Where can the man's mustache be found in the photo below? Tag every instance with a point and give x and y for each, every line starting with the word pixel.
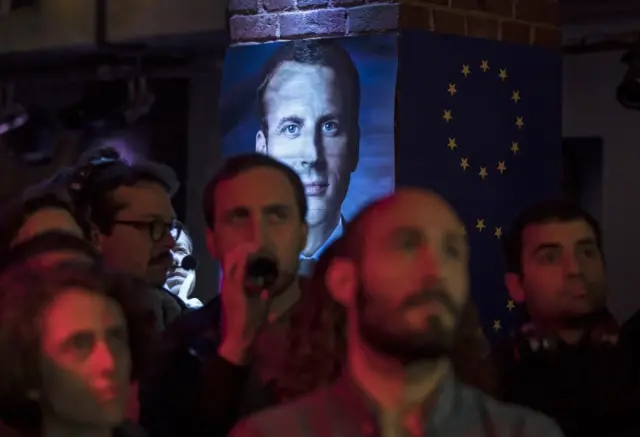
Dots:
pixel 432 294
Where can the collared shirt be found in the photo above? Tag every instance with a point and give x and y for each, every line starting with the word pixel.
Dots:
pixel 342 411
pixel 337 233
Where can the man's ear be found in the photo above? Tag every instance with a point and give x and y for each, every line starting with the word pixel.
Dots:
pixel 97 238
pixel 261 143
pixel 341 281
pixel 513 282
pixel 209 237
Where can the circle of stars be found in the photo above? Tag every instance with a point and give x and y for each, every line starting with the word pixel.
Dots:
pixel 483 170
pixel 519 122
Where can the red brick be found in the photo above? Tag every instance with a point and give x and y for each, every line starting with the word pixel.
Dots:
pixel 473 5
pixel 415 17
pixel 538 11
pixel 482 27
pixel 547 37
pixel 348 2
pixel 435 2
pixel 373 17
pixel 313 23
pixel 253 28
pixel 517 33
pixel 500 7
pixel 278 5
pixel 250 6
pixel 449 22
pixel 307 4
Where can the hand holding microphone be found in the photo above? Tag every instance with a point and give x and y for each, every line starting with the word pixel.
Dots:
pixel 248 273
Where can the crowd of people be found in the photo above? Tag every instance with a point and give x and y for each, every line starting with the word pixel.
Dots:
pixel 100 335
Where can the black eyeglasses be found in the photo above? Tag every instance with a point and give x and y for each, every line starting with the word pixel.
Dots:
pixel 158 229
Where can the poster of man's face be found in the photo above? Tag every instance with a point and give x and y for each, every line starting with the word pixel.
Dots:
pixel 324 107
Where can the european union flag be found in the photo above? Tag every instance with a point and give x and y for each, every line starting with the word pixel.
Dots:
pixel 479 122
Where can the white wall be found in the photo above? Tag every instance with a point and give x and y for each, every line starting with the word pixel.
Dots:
pixel 591 109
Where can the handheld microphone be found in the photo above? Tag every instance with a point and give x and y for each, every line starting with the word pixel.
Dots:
pixel 261 272
pixel 189 262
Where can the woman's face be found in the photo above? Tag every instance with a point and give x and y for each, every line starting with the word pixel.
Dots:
pixel 86 362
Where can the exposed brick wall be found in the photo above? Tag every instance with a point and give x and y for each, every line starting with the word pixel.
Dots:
pixel 519 21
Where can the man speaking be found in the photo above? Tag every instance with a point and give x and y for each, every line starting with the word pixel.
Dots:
pixel 308 103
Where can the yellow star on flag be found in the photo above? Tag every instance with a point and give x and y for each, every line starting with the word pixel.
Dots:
pixel 466 71
pixel 447 115
pixel 483 173
pixel 503 74
pixel 497 326
pixel 510 305
pixel 515 96
pixel 452 144
pixel 520 122
pixel 480 225
pixel 498 232
pixel 484 65
pixel 464 163
pixel 515 147
pixel 502 167
pixel 452 89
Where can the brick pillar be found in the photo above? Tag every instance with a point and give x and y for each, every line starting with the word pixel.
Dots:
pixel 518 21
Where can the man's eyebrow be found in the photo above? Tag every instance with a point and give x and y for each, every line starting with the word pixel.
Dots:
pixel 589 241
pixel 289 119
pixel 276 207
pixel 235 211
pixel 545 246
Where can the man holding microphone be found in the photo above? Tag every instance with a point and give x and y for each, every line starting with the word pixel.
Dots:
pixel 221 362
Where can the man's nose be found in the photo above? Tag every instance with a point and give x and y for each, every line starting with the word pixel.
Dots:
pixel 310 152
pixel 104 359
pixel 430 262
pixel 168 242
pixel 257 232
pixel 572 265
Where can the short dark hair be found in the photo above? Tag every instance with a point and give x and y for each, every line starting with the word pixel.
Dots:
pixel 235 166
pixel 47 242
pixel 320 52
pixel 25 292
pixel 556 210
pixel 102 172
pixel 19 209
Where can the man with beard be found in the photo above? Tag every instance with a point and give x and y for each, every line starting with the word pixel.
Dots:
pixel 403 277
pixel 220 362
pixel 566 361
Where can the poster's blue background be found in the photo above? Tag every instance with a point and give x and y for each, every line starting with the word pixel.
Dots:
pixel 375 57
pixel 484 127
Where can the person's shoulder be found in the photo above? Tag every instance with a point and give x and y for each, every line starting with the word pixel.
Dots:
pixel 129 429
pixel 515 420
pixel 292 416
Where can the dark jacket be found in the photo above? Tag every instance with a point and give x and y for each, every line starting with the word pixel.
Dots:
pixel 588 388
pixel 342 410
pixel 192 390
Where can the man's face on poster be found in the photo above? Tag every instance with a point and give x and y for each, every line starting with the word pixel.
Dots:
pixel 308 128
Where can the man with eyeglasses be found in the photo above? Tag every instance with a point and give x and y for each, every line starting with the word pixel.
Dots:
pixel 132 219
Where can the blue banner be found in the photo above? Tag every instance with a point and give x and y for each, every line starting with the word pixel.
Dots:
pixel 480 123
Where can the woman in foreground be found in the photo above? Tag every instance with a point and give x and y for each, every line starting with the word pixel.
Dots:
pixel 68 351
